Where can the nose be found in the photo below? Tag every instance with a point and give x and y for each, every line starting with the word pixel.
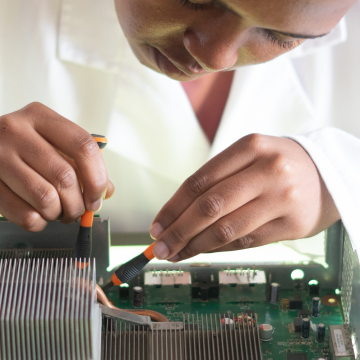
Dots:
pixel 215 46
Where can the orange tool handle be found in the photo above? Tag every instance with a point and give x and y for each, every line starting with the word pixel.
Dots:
pixel 131 268
pixel 83 242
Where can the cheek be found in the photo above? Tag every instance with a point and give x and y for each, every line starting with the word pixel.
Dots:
pixel 132 17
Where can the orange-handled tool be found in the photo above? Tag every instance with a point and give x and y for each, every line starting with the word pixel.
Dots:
pixel 83 242
pixel 131 268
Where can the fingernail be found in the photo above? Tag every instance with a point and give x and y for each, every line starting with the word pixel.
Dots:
pixel 161 251
pixel 96 206
pixel 156 230
pixel 174 258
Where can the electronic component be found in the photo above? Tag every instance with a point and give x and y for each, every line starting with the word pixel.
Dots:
pixel 265 332
pixel 250 313
pixel 296 356
pixel 274 293
pixel 316 304
pixel 304 312
pixel 60 316
pixel 297 324
pixel 242 285
pixel 305 328
pixel 314 288
pixel 167 287
pixel 138 296
pixel 340 342
pixel 205 290
pixel 196 337
pixel 124 291
pixel 227 323
pixel 298 285
pixel 194 307
pixel 320 333
pixel 295 302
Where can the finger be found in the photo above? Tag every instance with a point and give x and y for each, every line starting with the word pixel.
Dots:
pixel 224 198
pixel 31 187
pixel 18 211
pixel 234 159
pixel 275 230
pixel 110 188
pixel 78 145
pixel 234 226
pixel 47 161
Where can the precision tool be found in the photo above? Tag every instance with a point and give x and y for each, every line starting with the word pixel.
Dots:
pixel 83 242
pixel 130 269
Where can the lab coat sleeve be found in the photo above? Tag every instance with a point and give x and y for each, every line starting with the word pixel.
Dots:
pixel 337 157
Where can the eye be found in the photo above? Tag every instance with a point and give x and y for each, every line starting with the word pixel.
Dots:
pixel 197 4
pixel 286 44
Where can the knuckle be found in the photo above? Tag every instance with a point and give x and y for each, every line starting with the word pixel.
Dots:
pixel 87 146
pixel 31 222
pixel 188 252
pixel 45 197
pixel 211 206
pixel 176 236
pixel 256 142
pixel 7 126
pixel 72 215
pixel 244 242
pixel 33 108
pixel 290 194
pixel 224 233
pixel 196 184
pixel 279 164
pixel 66 177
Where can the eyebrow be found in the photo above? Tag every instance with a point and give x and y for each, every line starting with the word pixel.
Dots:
pixel 296 36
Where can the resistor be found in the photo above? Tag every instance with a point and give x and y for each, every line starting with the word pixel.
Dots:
pixel 274 293
pixel 138 296
pixel 305 328
pixel 320 334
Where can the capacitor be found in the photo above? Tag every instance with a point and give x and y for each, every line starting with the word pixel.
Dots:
pixel 320 333
pixel 265 332
pixel 138 296
pixel 227 323
pixel 274 292
pixel 305 328
pixel 316 303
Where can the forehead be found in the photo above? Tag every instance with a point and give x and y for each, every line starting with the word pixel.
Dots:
pixel 292 15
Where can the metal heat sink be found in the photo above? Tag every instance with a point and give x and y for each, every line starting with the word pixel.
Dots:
pixel 198 338
pixel 48 310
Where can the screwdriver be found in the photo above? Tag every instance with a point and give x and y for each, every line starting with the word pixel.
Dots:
pixel 130 269
pixel 83 241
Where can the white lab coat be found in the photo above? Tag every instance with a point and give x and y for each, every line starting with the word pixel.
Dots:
pixel 71 56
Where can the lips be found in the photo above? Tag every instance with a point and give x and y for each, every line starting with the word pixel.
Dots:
pixel 172 67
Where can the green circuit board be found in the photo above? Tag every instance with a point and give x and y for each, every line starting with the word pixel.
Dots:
pixel 284 340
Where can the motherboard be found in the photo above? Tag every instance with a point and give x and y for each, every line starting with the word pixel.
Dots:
pixel 52 308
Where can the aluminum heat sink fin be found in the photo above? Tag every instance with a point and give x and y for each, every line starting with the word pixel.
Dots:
pixel 199 338
pixel 48 310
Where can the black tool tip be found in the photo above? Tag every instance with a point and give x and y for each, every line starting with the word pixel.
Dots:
pixel 108 286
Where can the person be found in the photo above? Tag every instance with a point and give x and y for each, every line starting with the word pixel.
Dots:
pixel 259 147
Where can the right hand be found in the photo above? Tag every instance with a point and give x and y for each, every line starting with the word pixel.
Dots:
pixel 43 159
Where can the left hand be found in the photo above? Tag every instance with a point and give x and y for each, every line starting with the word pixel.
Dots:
pixel 260 190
